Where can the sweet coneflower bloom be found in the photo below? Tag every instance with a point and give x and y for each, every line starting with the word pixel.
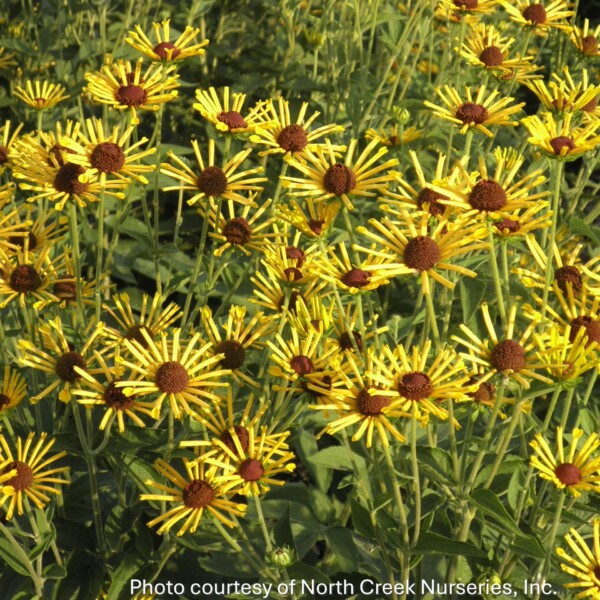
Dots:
pixel 394 137
pixel 208 181
pixel 124 87
pixel 251 471
pixel 564 95
pixel 539 15
pixel 568 357
pixel 562 140
pixel 422 196
pixel 199 491
pixel 58 357
pixel 512 355
pixel 154 318
pixel 229 424
pixel 185 373
pixel 43 166
pixel 424 389
pixel 494 193
pixel 413 247
pixel 365 399
pixel 236 338
pixel 473 8
pixel 312 315
pixel 245 232
pixel 288 137
pixel 27 276
pixel 25 476
pixel 101 390
pixel 346 331
pixel 279 295
pixel 585 40
pixel 7 59
pixel 6 141
pixel 523 222
pixel 326 178
pixel 12 389
pixel 163 49
pixel 582 562
pixel 477 112
pixel 109 155
pixel 581 312
pixel 226 115
pixel 41 95
pixel 292 264
pixel 485 47
pixel 35 228
pixel 569 270
pixel 313 219
pixel 577 471
pixel 303 364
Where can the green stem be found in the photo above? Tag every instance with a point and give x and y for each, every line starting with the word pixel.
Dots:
pixel 24 559
pixel 557 179
pixel 415 470
pixel 99 249
pixel 74 231
pixel 496 274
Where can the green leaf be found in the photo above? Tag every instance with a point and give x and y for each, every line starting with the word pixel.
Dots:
pixel 528 546
pixel 472 292
pixel 306 446
pixel 54 572
pixel 282 532
pixel 361 521
pixel 489 504
pixel 580 227
pixel 433 543
pixel 128 567
pixel 335 457
pixel 301 571
pixel 341 541
pixel 13 560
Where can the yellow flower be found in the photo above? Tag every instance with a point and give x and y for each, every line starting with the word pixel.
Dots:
pixel 27 477
pixel 584 40
pixel 290 138
pixel 364 398
pixel 154 318
pixel 6 60
pixel 109 155
pixel 583 563
pixel 61 360
pixel 493 193
pixel 412 247
pixel 226 116
pixel 576 471
pixel 326 178
pixel 244 232
pixel 250 471
pixel 165 50
pixel 6 142
pixel 210 181
pixel 485 47
pixel 125 88
pixel 27 277
pixel 515 357
pixel 237 338
pixel 477 112
pixel 12 390
pixel 312 218
pixel 395 137
pixel 200 491
pixel 423 389
pixel 562 140
pixel 41 96
pixel 108 395
pixel 183 373
pixel 472 8
pixel 539 15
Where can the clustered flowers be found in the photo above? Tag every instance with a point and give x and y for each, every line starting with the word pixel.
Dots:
pixel 351 228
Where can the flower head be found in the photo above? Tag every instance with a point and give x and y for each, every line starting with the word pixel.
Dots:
pixel 41 95
pixel 199 491
pixel 164 49
pixel 576 471
pixel 26 476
